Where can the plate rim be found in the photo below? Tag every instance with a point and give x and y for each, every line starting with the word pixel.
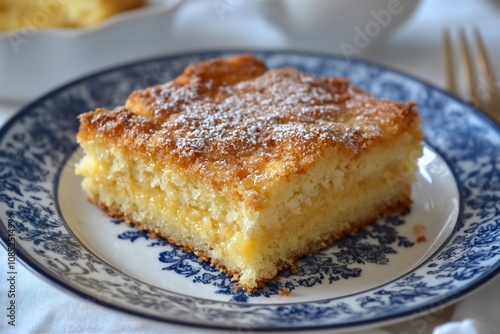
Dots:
pixel 33 266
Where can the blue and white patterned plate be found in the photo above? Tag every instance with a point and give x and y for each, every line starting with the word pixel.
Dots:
pixel 381 275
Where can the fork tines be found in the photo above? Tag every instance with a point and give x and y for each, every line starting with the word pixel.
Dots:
pixel 481 87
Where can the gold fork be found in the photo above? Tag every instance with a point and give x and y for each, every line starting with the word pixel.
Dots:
pixel 483 90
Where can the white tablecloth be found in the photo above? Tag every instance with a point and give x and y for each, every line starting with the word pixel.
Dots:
pixel 415 48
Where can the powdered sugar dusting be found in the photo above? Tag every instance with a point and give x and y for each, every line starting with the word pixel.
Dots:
pixel 232 122
pixel 282 108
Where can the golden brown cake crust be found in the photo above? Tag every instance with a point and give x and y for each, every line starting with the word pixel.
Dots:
pixel 225 120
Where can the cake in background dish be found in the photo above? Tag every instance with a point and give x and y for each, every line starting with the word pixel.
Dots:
pixel 18 14
pixel 28 67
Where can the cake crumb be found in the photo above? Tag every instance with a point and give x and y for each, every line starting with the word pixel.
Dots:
pixel 284 292
pixel 419 231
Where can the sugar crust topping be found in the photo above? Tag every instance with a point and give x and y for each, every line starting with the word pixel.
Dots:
pixel 235 112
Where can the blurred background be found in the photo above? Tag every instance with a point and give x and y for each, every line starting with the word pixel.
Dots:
pixel 404 34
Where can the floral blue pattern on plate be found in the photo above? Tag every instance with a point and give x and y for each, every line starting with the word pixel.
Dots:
pixel 70 242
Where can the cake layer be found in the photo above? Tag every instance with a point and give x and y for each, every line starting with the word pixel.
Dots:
pixel 248 167
pixel 333 199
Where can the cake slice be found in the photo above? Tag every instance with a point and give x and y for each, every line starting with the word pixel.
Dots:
pixel 250 168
